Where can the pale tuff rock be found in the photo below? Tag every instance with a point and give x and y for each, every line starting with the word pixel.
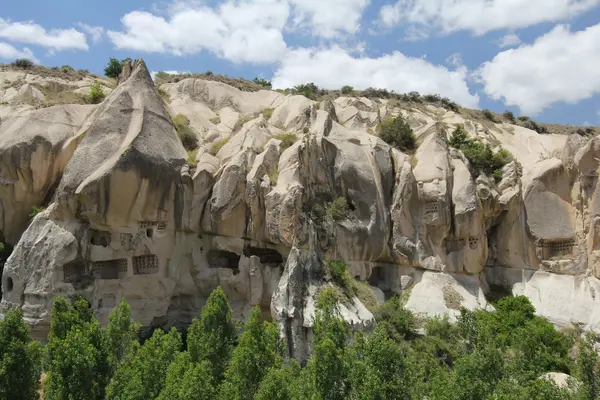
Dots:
pixel 128 217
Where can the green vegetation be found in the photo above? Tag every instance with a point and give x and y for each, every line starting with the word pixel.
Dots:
pixel 23 63
pixel 20 359
pixel 267 113
pixel 113 68
pixel 287 139
pixel 262 82
pixel 489 115
pixel 163 94
pixel 528 123
pixel 185 132
pixel 347 89
pixel 480 155
pixel 160 75
pixel 397 133
pixel 338 209
pixel 509 116
pixel 209 73
pixel 274 176
pixel 96 94
pixel 216 120
pixel 66 69
pixel 309 90
pixel 191 157
pixel 218 145
pixel 35 210
pixel 487 355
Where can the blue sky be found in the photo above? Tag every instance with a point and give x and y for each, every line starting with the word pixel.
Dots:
pixel 538 58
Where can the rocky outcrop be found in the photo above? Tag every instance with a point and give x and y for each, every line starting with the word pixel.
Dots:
pixel 294 184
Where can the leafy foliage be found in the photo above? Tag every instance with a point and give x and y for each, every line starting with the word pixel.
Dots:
pixel 309 90
pixel 19 359
pixel 35 210
pixel 489 355
pixel 397 133
pixel 259 349
pixel 96 94
pixel 77 358
pixel 287 139
pixel 480 155
pixel 347 89
pixel 528 123
pixel 142 374
pixel 211 338
pixel 66 69
pixel 262 82
pixel 509 116
pixel 23 63
pixel 185 132
pixel 113 68
pixel 338 209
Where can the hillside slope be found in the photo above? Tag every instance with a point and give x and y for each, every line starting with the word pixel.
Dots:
pixel 279 186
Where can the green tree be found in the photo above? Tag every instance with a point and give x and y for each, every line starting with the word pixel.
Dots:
pixel 142 374
pixel 77 360
pixel 397 133
pixel 262 82
pixel 588 366
pixel 19 359
pixel 121 332
pixel 327 367
pixel 187 380
pixel 278 384
pixel 395 320
pixel 377 368
pixel 259 349
pixel 113 68
pixel 347 89
pixel 96 94
pixel 212 337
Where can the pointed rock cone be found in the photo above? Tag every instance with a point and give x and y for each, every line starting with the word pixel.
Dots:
pixel 128 163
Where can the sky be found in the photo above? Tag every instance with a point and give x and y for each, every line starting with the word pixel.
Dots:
pixel 539 58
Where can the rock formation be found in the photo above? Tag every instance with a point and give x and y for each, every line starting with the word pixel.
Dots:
pixel 131 215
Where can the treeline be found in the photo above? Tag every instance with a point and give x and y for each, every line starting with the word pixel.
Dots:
pixel 486 355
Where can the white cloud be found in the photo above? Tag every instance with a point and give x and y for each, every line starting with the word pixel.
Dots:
pixel 329 18
pixel 509 40
pixel 479 16
pixel 455 60
pixel 8 52
pixel 240 31
pixel 95 32
pixel 31 33
pixel 560 66
pixel 335 67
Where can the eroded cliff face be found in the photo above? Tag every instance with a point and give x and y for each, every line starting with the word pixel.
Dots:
pixel 128 217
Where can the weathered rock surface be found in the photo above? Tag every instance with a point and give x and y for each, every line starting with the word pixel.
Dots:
pixel 128 217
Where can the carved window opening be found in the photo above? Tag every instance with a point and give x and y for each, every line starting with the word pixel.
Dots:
pixel 473 242
pixel 111 269
pixel 9 284
pixel 162 226
pixel 73 271
pixel 266 256
pixel 431 210
pixel 149 232
pixel 100 238
pixel 556 248
pixel 223 259
pixel 145 265
pixel 126 240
